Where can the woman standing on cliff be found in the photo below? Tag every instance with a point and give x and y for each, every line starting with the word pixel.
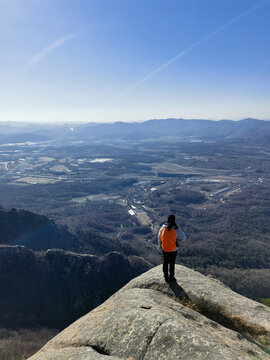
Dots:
pixel 167 240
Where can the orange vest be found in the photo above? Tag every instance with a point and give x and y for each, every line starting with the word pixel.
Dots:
pixel 168 239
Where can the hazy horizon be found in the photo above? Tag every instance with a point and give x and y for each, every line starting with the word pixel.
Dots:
pixel 69 123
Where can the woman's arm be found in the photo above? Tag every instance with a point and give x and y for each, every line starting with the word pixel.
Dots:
pixel 182 235
pixel 159 235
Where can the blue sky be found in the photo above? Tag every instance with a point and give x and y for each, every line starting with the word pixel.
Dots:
pixel 133 60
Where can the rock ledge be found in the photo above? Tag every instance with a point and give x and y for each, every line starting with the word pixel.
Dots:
pixel 196 317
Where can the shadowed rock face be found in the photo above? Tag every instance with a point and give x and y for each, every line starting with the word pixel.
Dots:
pixel 37 232
pixel 195 318
pixel 54 288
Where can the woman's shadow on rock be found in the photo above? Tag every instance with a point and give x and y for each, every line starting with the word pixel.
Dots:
pixel 178 290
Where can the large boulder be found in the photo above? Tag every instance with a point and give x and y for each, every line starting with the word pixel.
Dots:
pixel 195 318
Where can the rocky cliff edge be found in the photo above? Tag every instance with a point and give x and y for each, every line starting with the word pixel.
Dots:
pixel 195 318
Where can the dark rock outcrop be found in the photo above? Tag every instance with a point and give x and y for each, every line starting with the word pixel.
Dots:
pixel 54 287
pixel 195 318
pixel 38 232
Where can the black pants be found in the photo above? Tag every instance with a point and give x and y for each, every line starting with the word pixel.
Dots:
pixel 169 258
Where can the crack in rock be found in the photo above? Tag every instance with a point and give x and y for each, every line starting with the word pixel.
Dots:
pixel 100 350
pixel 150 338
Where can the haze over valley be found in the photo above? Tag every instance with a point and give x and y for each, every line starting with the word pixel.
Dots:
pixel 121 180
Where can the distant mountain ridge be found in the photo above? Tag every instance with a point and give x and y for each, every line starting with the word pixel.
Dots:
pixel 203 129
pixel 152 129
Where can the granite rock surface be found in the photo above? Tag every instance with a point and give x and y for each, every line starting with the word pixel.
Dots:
pixel 195 318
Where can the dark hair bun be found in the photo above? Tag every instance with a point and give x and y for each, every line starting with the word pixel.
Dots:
pixel 171 219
